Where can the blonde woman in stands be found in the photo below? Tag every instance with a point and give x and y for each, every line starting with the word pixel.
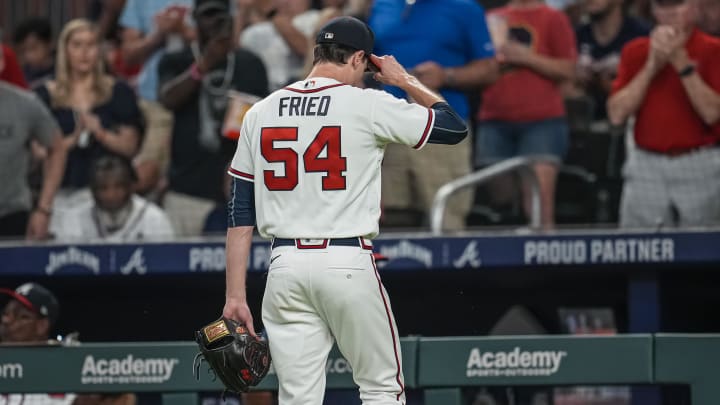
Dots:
pixel 97 113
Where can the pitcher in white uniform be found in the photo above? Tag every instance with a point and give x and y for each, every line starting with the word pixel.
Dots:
pixel 307 173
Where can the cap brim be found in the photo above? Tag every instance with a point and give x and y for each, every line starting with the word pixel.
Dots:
pixel 20 298
pixel 371 66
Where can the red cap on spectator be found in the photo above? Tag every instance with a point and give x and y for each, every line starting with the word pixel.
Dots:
pixel 36 298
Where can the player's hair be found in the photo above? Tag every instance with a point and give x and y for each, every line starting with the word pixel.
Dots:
pixel 111 164
pixel 332 53
pixel 38 26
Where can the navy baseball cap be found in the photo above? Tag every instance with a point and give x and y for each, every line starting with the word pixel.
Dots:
pixel 347 31
pixel 36 298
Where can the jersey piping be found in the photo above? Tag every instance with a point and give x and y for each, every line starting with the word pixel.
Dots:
pixel 426 132
pixel 315 90
pixel 241 175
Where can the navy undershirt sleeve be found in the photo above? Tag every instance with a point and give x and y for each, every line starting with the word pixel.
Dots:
pixel 449 128
pixel 241 205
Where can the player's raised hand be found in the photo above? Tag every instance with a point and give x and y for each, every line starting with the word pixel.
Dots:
pixel 238 311
pixel 391 71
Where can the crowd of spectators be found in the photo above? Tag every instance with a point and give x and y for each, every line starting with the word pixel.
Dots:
pixel 112 127
pixel 114 123
pixel 447 46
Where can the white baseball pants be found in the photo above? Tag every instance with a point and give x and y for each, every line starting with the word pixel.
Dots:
pixel 315 296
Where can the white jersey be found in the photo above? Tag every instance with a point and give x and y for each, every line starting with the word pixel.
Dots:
pixel 146 222
pixel 281 62
pixel 314 151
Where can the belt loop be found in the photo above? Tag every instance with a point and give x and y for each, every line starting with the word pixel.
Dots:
pixel 323 245
pixel 364 245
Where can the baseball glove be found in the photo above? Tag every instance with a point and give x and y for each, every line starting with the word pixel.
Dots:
pixel 239 360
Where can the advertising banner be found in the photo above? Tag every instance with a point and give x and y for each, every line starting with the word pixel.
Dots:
pixel 417 252
pixel 558 360
pixel 140 367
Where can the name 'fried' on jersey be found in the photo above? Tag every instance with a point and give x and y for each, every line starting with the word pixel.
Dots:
pixel 304 106
pixel 317 145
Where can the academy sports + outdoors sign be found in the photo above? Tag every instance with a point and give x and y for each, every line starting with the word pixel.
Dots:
pixel 516 362
pixel 140 367
pixel 472 361
pixel 99 367
pixel 127 369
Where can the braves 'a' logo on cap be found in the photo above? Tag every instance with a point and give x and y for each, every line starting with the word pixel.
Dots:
pixel 24 289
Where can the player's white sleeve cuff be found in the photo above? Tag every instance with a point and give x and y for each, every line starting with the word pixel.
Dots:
pixel 241 175
pixel 428 128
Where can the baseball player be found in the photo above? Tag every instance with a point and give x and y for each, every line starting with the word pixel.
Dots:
pixel 307 168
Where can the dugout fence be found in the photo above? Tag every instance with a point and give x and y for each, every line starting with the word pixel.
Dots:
pixel 439 366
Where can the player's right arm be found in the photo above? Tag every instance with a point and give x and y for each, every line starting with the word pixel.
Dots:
pixel 237 248
pixel 395 117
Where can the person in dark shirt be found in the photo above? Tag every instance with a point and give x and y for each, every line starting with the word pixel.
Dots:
pixel 34 41
pixel 599 44
pixel 194 85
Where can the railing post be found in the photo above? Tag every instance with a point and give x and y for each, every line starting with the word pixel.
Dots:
pixel 535 197
pixel 523 164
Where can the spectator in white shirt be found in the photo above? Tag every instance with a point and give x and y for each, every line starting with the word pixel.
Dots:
pixel 115 213
pixel 282 40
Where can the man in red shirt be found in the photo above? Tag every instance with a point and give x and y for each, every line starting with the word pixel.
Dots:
pixel 670 82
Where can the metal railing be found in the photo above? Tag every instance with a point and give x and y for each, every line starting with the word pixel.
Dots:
pixel 521 164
